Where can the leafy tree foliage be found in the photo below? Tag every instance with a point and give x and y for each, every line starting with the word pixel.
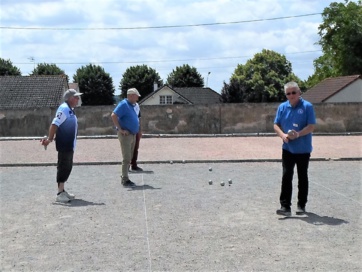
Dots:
pixel 140 77
pixel 8 69
pixel 233 92
pixel 48 69
pixel 341 41
pixel 185 76
pixel 96 84
pixel 261 79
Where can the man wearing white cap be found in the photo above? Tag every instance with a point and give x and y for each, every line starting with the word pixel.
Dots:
pixel 126 121
pixel 64 130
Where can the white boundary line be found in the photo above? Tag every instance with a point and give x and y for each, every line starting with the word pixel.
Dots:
pixel 338 193
pixel 146 223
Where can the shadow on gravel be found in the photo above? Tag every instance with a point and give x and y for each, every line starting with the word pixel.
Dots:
pixel 141 172
pixel 78 203
pixel 143 187
pixel 316 219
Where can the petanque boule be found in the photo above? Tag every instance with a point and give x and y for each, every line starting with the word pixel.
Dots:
pixel 230 181
pixel 171 162
pixel 210 182
pixel 222 183
pixel 210 169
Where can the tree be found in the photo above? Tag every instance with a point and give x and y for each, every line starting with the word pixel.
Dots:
pixel 96 84
pixel 233 92
pixel 8 69
pixel 47 69
pixel 261 79
pixel 140 77
pixel 341 42
pixel 185 76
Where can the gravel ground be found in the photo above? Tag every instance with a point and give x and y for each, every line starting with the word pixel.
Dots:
pixel 175 221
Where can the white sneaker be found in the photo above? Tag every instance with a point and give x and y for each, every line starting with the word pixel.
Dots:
pixel 62 197
pixel 70 196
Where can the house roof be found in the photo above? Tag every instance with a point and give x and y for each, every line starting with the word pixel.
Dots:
pixel 198 95
pixel 74 86
pixel 193 95
pixel 21 92
pixel 328 87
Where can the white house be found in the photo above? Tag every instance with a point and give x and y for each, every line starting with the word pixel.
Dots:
pixel 167 95
pixel 336 90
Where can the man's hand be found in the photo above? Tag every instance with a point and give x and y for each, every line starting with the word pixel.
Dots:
pixel 292 134
pixel 285 138
pixel 123 132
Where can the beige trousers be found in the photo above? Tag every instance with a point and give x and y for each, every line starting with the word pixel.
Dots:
pixel 127 146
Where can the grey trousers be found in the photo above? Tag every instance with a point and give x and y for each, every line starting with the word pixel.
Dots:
pixel 127 146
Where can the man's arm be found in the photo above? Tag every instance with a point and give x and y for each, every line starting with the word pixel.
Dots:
pixel 51 134
pixel 117 125
pixel 306 130
pixel 280 133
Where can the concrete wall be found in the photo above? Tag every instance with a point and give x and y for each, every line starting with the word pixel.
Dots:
pixel 183 119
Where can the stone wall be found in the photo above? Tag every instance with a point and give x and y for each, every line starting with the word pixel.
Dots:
pixel 183 119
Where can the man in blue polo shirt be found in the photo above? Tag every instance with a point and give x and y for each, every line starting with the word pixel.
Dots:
pixel 64 129
pixel 126 122
pixel 294 124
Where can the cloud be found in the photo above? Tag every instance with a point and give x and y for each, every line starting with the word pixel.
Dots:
pixel 210 48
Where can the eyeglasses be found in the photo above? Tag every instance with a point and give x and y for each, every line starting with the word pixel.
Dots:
pixel 291 93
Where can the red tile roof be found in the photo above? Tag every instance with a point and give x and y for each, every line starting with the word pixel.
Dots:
pixel 328 87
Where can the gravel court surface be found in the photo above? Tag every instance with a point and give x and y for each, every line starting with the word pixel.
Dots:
pixel 175 221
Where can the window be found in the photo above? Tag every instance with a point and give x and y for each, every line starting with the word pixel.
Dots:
pixel 165 99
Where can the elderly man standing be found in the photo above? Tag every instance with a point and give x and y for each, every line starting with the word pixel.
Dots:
pixel 126 121
pixel 294 124
pixel 63 130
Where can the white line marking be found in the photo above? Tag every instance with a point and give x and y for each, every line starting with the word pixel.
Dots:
pixel 338 193
pixel 146 223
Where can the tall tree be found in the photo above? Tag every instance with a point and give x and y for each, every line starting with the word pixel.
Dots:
pixel 233 92
pixel 48 69
pixel 261 79
pixel 96 84
pixel 185 76
pixel 8 69
pixel 341 42
pixel 140 77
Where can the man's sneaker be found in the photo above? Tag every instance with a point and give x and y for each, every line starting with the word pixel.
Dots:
pixel 62 197
pixel 70 196
pixel 128 183
pixel 136 168
pixel 284 211
pixel 300 210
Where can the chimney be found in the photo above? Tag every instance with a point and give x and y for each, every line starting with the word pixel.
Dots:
pixel 155 86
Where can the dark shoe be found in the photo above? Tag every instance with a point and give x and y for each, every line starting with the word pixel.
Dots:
pixel 128 183
pixel 284 211
pixel 136 168
pixel 300 210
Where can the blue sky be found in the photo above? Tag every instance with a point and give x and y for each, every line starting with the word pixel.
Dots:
pixel 117 34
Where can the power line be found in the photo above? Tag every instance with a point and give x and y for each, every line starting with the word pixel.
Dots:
pixel 156 27
pixel 169 60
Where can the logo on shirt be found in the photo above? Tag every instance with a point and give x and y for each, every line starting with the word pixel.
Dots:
pixel 59 115
pixel 300 111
